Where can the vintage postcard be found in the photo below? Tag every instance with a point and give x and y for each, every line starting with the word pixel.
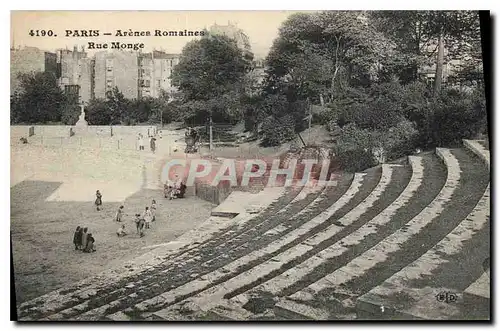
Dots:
pixel 249 165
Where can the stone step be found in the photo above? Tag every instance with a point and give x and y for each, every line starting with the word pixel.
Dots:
pixel 476 298
pixel 301 271
pixel 424 304
pixel 292 310
pixel 207 298
pixel 205 279
pixel 377 254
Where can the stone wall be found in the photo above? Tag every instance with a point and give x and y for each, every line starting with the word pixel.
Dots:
pixel 52 130
pixel 214 194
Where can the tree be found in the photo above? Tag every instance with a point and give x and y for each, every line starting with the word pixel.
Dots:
pixel 97 112
pixel 323 52
pixel 39 100
pixel 71 110
pixel 119 107
pixel 210 77
pixel 425 36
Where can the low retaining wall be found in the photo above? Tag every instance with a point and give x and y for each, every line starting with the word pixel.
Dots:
pixel 119 130
pixel 217 194
pixel 18 131
pixel 52 130
pixel 214 194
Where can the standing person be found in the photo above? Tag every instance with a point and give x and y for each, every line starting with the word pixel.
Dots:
pixel 152 144
pixel 169 189
pixel 77 237
pixel 119 213
pixel 137 222
pixel 147 217
pixel 141 142
pixel 90 247
pixel 182 190
pixel 153 210
pixel 140 225
pixel 178 185
pixel 84 238
pixel 98 200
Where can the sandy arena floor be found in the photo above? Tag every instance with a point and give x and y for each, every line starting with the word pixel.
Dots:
pixel 45 214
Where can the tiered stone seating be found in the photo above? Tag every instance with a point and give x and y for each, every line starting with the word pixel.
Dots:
pixel 381 244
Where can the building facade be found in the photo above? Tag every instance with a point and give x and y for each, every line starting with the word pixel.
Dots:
pixel 74 72
pixel 155 70
pixel 135 74
pixel 232 32
pixel 116 69
pixel 28 60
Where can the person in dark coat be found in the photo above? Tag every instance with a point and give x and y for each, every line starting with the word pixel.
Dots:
pixel 152 144
pixel 182 190
pixel 90 244
pixel 83 242
pixel 98 200
pixel 77 238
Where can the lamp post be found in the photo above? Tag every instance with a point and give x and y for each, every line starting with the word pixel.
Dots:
pixel 210 123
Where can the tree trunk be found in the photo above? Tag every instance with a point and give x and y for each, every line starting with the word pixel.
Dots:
pixel 439 65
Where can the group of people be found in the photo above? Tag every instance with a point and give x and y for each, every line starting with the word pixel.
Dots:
pixel 84 241
pixel 174 189
pixel 142 222
pixel 152 142
pixel 191 138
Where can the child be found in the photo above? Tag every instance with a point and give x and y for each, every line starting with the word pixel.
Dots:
pixel 119 213
pixel 121 231
pixel 137 221
pixel 83 244
pixel 98 200
pixel 147 217
pixel 153 210
pixel 90 247
pixel 77 238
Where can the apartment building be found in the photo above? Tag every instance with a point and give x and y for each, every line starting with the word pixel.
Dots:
pixel 30 59
pixel 155 70
pixel 116 69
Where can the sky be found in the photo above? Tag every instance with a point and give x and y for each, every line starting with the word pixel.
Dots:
pixel 260 26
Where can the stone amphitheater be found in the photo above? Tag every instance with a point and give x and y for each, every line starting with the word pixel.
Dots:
pixel 407 240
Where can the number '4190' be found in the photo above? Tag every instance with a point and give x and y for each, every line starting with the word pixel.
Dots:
pixel 41 33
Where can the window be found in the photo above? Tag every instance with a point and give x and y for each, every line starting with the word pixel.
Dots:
pixel 146 83
pixel 158 82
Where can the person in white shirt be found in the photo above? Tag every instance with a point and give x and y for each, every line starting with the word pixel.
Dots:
pixel 153 210
pixel 148 217
pixel 121 231
pixel 141 142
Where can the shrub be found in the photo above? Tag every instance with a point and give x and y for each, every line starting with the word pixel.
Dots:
pixel 277 131
pixel 400 140
pixel 354 149
pixel 457 116
pixel 356 160
pixel 448 118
